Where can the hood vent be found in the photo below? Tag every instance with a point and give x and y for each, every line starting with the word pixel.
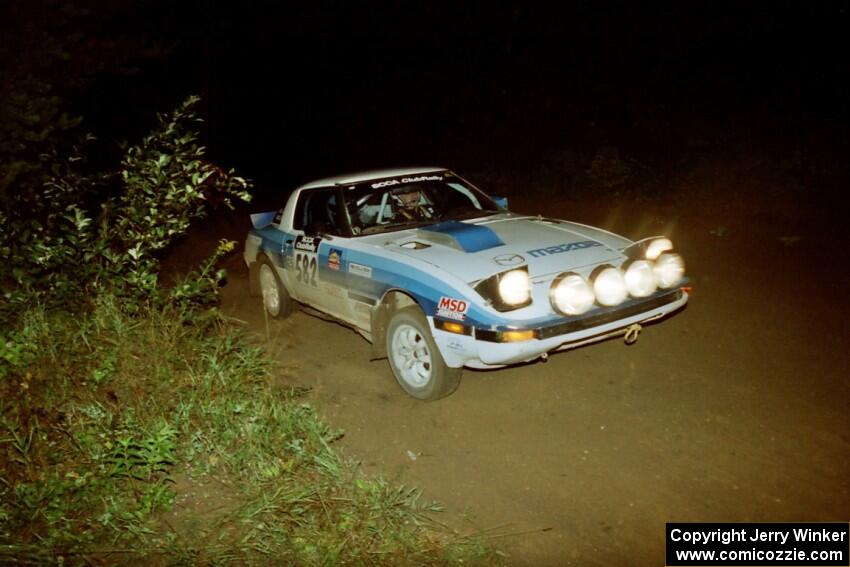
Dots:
pixel 414 245
pixel 462 236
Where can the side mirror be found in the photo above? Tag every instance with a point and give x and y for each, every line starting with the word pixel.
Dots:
pixel 501 201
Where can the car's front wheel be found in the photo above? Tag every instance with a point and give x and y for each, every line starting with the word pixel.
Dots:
pixel 415 359
pixel 276 300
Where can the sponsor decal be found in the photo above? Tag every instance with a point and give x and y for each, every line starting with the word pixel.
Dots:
pixel 452 308
pixel 391 182
pixel 561 248
pixel 509 259
pixel 360 270
pixel 334 258
pixel 307 243
pixel 277 216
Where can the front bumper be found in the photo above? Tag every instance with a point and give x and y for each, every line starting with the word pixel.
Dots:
pixel 488 348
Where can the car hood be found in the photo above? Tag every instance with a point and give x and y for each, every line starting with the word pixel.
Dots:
pixel 546 246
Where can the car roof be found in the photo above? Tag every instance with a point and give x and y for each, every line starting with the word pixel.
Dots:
pixel 351 178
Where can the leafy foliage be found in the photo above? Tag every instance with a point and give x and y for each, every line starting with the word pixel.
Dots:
pixel 86 232
pixel 121 399
pixel 124 462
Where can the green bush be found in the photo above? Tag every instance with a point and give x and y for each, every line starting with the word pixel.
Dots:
pixel 85 233
pixel 120 397
pixel 92 467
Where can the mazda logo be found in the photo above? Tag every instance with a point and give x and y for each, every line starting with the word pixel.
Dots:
pixel 509 260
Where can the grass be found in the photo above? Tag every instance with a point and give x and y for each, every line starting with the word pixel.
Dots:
pixel 153 438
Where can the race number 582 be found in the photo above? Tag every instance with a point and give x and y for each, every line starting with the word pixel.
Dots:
pixel 305 269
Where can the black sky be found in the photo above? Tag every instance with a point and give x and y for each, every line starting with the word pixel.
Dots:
pixel 297 91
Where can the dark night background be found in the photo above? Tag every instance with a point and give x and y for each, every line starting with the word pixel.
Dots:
pixel 517 94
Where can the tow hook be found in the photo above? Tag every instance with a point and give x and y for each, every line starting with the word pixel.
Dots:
pixel 632 334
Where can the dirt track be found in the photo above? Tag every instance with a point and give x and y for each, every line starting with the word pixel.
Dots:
pixel 735 409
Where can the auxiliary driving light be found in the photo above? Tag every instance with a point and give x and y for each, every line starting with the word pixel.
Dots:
pixel 640 279
pixel 669 269
pixel 609 285
pixel 571 294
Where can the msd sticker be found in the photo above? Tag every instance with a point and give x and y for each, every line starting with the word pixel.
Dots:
pixel 451 308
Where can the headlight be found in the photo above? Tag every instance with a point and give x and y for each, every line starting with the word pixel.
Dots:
pixel 640 278
pixel 649 248
pixel 658 246
pixel 515 287
pixel 508 290
pixel 669 269
pixel 609 285
pixel 571 294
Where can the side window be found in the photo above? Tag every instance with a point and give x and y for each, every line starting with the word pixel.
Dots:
pixel 317 209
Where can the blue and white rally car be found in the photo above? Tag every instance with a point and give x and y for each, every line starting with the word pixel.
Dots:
pixel 438 276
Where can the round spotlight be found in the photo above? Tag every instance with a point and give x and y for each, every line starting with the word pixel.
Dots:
pixel 658 247
pixel 571 294
pixel 515 287
pixel 669 269
pixel 609 285
pixel 640 279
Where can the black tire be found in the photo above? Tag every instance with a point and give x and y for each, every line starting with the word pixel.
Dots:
pixel 276 300
pixel 415 360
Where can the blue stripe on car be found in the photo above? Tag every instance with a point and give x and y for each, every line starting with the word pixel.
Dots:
pixel 470 237
pixel 389 274
pixel 427 289
pixel 274 244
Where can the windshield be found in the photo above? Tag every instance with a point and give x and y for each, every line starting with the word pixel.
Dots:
pixel 417 200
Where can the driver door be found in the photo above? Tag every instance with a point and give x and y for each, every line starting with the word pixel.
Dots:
pixel 317 253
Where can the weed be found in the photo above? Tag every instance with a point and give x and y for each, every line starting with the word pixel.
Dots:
pixel 142 459
pixel 185 451
pixel 21 442
pixel 136 422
